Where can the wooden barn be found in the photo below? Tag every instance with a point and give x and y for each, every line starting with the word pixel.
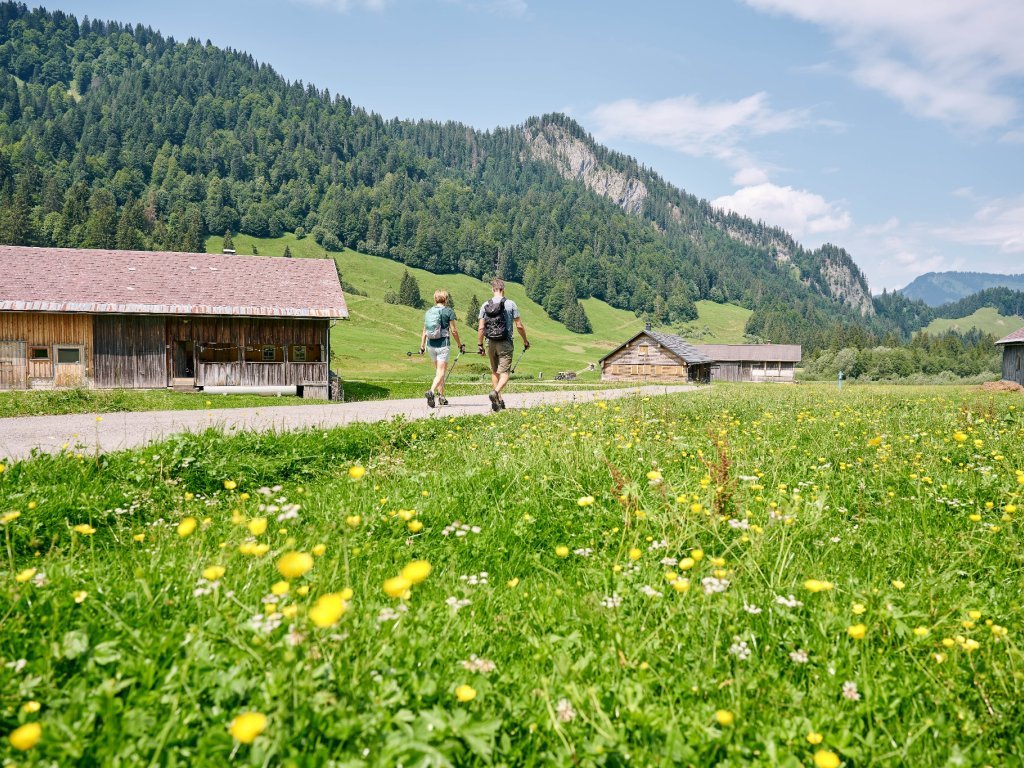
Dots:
pixel 654 356
pixel 148 320
pixel 1013 356
pixel 753 362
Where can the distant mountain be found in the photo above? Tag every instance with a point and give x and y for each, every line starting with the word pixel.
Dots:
pixel 937 288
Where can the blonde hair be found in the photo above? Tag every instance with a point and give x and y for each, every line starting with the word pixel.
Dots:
pixel 440 296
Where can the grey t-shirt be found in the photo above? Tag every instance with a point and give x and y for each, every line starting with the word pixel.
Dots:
pixel 511 313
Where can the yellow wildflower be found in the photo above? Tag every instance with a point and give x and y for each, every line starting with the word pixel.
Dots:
pixel 186 527
pixel 825 759
pixel 319 549
pixel 635 553
pixel 465 693
pixel 213 572
pixel 9 517
pixel 230 485
pixel 257 526
pixel 857 631
pixel 724 717
pixel 327 610
pixel 353 521
pixel 814 738
pixel 80 596
pixel 247 726
pixel 30 707
pixel 26 737
pixel 25 575
pixel 562 551
pixel 397 586
pixel 585 501
pixel 293 565
pixel 356 472
pixel 280 588
pixel 416 571
pixel 83 528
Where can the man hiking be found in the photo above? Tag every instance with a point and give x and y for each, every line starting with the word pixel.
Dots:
pixel 497 317
pixel 438 330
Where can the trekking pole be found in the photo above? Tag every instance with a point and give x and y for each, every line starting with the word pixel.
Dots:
pixel 454 363
pixel 516 363
pixel 410 354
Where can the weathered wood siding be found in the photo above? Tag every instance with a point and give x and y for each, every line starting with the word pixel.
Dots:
pixel 1013 363
pixel 129 352
pixel 40 329
pixel 756 371
pixel 643 360
pixel 243 332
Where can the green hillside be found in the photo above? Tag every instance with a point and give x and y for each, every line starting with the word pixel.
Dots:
pixel 986 319
pixel 373 343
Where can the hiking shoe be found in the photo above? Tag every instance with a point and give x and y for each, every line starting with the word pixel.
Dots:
pixel 430 397
pixel 495 399
pixel 501 402
pixel 442 401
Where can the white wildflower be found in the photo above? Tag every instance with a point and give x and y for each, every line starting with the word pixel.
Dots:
pixel 712 585
pixel 789 602
pixel 564 711
pixel 456 604
pixel 799 656
pixel 850 692
pixel 612 601
pixel 751 608
pixel 739 649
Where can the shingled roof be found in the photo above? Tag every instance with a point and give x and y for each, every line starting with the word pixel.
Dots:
pixel 674 344
pixel 752 353
pixel 164 283
pixel 1017 337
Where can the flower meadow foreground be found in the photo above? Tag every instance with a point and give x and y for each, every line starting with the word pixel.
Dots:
pixel 792 576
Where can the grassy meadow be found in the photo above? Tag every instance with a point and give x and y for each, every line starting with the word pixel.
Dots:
pixel 986 319
pixel 773 575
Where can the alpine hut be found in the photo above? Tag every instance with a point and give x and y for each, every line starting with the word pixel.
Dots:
pixel 753 362
pixel 1013 356
pixel 655 356
pixel 146 320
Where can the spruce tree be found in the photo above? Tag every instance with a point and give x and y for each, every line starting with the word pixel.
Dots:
pixel 287 252
pixel 409 291
pixel 473 310
pixel 229 243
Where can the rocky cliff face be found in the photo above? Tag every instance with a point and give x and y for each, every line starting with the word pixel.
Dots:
pixel 575 161
pixel 845 286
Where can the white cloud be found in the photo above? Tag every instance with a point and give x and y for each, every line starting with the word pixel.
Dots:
pixel 950 60
pixel 746 177
pixel 997 224
pixel 798 211
pixel 685 124
pixel 515 8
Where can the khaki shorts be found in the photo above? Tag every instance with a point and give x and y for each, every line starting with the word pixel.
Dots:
pixel 499 353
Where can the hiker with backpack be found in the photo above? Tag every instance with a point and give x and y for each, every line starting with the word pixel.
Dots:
pixel 438 330
pixel 497 318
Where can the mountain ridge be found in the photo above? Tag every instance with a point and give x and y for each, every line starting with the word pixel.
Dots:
pixel 938 288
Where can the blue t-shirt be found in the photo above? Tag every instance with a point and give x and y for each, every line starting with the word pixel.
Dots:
pixel 511 313
pixel 447 315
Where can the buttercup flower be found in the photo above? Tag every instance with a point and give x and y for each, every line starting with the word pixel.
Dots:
pixel 416 571
pixel 247 726
pixel 724 717
pixel 293 565
pixel 356 472
pixel 186 527
pixel 26 737
pixel 328 610
pixel 465 693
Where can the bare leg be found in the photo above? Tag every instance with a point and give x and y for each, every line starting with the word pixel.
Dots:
pixel 500 380
pixel 438 385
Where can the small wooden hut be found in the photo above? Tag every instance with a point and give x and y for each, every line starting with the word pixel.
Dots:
pixel 1013 356
pixel 655 356
pixel 753 362
pixel 146 320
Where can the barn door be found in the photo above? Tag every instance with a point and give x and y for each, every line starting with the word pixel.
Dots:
pixel 69 366
pixel 13 365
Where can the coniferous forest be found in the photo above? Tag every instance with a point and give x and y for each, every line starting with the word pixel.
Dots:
pixel 114 136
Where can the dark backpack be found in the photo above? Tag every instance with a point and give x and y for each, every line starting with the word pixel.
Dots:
pixel 495 320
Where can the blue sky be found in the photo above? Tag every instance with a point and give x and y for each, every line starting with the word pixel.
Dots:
pixel 894 128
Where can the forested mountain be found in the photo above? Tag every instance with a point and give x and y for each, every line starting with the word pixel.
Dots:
pixel 937 288
pixel 113 135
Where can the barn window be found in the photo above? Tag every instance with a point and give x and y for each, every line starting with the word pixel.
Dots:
pixel 218 352
pixel 39 353
pixel 69 355
pixel 264 353
pixel 642 350
pixel 307 353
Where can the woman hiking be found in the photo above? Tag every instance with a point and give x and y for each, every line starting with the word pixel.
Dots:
pixel 438 330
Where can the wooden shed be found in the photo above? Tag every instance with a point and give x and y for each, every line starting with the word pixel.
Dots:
pixel 753 362
pixel 147 320
pixel 1013 356
pixel 655 356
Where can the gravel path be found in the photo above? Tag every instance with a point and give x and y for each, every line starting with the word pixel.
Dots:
pixel 116 431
